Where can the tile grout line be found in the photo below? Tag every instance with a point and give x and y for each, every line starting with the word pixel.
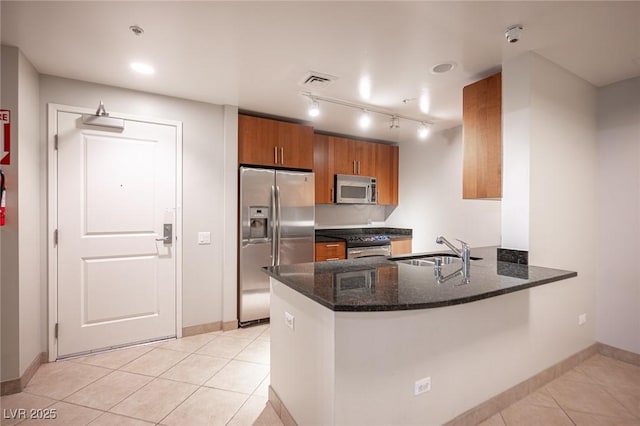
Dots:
pixel 557 402
pixel 179 405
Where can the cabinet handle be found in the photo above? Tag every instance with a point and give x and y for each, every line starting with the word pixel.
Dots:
pixel 332 245
pixel 358 166
pixel 275 154
pixel 281 155
pixel 333 258
pixel 354 167
pixel 332 194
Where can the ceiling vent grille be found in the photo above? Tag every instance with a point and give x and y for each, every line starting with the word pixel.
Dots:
pixel 317 80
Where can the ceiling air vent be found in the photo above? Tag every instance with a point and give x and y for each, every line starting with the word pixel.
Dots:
pixel 317 80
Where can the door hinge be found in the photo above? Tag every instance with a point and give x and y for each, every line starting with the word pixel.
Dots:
pixel 55 238
pixel 55 331
pixel 55 142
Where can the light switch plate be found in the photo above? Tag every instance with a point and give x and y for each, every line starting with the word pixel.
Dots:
pixel 204 237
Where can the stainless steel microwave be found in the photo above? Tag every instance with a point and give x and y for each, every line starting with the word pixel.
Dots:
pixel 355 189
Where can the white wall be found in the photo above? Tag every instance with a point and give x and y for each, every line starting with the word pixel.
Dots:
pixel 339 216
pixel 618 293
pixel 22 262
pixel 516 141
pixel 563 209
pixel 430 196
pixel 32 216
pixel 557 110
pixel 203 181
pixel 9 278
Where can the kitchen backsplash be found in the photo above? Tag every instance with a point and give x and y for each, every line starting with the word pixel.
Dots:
pixel 337 216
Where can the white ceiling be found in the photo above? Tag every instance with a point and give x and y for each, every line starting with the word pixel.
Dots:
pixel 254 54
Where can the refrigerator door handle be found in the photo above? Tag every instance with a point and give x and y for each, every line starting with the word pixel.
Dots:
pixel 273 225
pixel 278 226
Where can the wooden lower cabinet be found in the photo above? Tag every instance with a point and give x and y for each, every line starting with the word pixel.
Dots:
pixel 331 251
pixel 400 247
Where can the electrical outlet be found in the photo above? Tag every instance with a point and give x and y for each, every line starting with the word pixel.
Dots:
pixel 422 386
pixel 582 319
pixel 289 320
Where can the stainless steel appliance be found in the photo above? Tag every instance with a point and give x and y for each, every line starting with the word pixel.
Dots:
pixel 277 217
pixel 367 245
pixel 355 189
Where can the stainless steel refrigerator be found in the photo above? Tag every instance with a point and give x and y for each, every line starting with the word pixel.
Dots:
pixel 277 218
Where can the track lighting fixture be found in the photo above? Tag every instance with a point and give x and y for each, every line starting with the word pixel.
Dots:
pixel 365 119
pixel 314 108
pixel 423 131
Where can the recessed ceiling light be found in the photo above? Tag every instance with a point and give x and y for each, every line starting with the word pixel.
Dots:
pixel 443 67
pixel 142 68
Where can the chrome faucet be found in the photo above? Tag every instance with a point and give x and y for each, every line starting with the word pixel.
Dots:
pixel 464 254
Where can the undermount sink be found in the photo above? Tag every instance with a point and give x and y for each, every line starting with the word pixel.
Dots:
pixel 430 259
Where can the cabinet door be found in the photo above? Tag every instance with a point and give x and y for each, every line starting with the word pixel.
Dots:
pixel 482 136
pixel 322 154
pixel 400 247
pixel 387 174
pixel 257 139
pixel 344 159
pixel 295 145
pixel 365 158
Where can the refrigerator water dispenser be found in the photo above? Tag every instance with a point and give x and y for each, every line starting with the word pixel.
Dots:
pixel 258 222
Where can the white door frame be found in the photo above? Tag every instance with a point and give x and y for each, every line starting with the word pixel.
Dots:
pixel 52 217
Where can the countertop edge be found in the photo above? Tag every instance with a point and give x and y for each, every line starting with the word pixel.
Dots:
pixel 431 305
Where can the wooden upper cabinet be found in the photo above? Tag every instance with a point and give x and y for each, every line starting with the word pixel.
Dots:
pixel 387 173
pixel 336 155
pixel 365 158
pixel 265 142
pixel 296 145
pixel 351 157
pixel 482 136
pixel 323 168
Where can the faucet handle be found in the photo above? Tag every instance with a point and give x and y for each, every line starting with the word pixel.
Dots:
pixel 462 242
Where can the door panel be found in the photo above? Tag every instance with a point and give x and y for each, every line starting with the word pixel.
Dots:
pixel 135 180
pixel 109 279
pixel 116 190
pixel 253 284
pixel 297 216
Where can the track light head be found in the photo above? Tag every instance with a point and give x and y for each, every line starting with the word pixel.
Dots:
pixel 395 123
pixel 365 119
pixel 423 131
pixel 314 108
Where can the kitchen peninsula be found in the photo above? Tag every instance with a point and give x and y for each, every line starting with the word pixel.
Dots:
pixel 352 340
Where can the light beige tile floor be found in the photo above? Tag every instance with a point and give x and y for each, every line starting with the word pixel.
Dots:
pixel 599 392
pixel 223 379
pixel 209 379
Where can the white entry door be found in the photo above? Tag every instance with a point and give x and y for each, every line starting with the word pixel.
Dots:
pixel 116 191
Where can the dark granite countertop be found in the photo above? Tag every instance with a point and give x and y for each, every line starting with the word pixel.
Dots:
pixel 395 286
